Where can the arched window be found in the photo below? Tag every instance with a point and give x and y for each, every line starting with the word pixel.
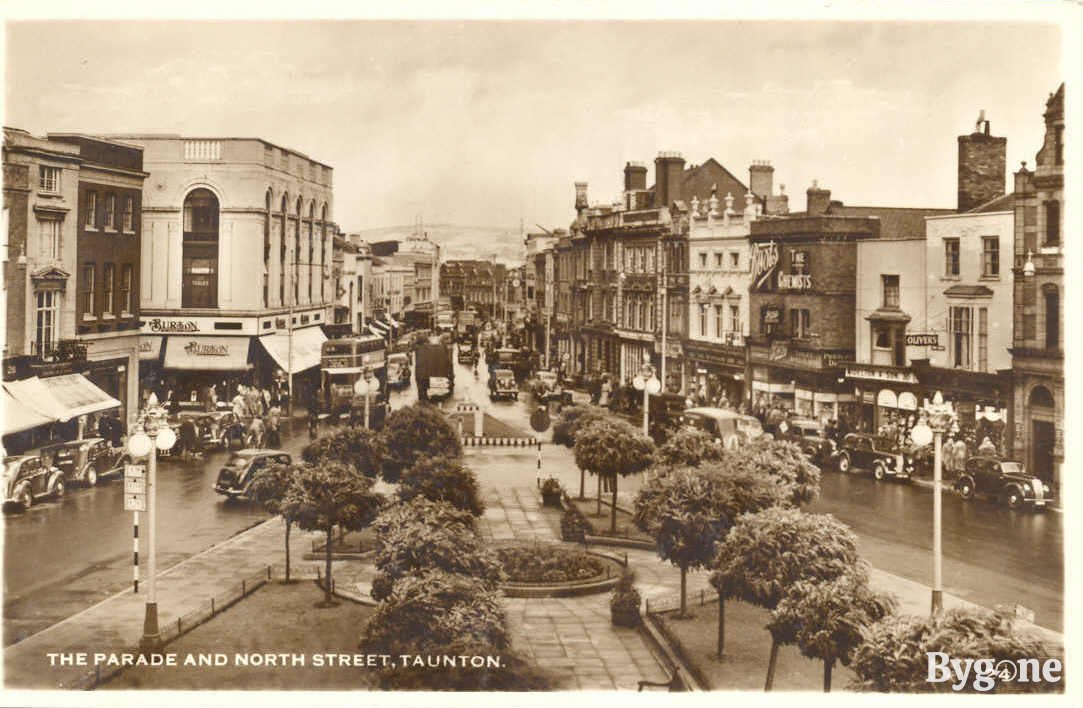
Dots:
pixel 311 260
pixel 1052 316
pixel 199 267
pixel 323 253
pixel 1040 397
pixel 267 249
pixel 284 207
pixel 297 256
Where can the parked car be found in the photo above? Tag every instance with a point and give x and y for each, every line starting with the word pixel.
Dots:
pixel 398 370
pixel 808 434
pixel 467 354
pixel 236 477
pixel 868 452
pixel 728 427
pixel 546 386
pixel 88 460
pixel 1002 480
pixel 502 384
pixel 28 478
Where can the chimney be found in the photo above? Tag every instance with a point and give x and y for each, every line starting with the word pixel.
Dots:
pixel 982 166
pixel 580 197
pixel 761 178
pixel 668 170
pixel 818 199
pixel 635 176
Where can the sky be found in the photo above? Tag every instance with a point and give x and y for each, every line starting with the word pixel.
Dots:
pixel 490 123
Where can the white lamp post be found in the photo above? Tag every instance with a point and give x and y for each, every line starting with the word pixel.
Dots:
pixel 936 419
pixel 364 387
pixel 151 435
pixel 648 383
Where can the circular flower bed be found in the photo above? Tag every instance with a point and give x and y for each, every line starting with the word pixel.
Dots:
pixel 543 564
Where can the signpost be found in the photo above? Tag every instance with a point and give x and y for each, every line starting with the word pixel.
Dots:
pixel 135 500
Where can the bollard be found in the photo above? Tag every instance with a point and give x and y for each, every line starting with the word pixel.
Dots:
pixel 243 590
pixel 701 598
pixel 648 604
pixel 626 559
pixel 97 674
pixel 178 626
pixel 268 573
pixel 212 607
pixel 479 419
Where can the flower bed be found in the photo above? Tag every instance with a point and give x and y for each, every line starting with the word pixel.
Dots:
pixel 544 564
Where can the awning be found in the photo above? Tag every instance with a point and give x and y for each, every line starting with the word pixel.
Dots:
pixel 190 353
pixel 375 329
pixel 150 346
pixel 32 395
pixel 19 417
pixel 77 395
pixel 305 348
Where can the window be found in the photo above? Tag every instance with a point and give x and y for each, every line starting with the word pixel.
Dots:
pixel 951 257
pixel 49 229
pixel 109 282
pixel 891 290
pixel 86 306
pixel 718 261
pixel 48 179
pixel 126 288
pixel 959 332
pixel 990 256
pixel 129 214
pixel 111 211
pixel 48 313
pixel 983 339
pixel 702 259
pixel 735 318
pixel 881 337
pixel 799 323
pixel 91 209
pixel 1052 224
pixel 719 321
pixel 799 262
pixel 1058 145
pixel 199 263
pixel 735 260
pixel 703 320
pixel 1052 318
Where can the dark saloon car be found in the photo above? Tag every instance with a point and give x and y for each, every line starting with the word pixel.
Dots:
pixel 28 478
pixel 89 460
pixel 1002 480
pixel 868 452
pixel 809 435
pixel 236 477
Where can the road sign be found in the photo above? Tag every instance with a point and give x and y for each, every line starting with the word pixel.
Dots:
pixel 135 472
pixel 135 502
pixel 539 420
pixel 135 485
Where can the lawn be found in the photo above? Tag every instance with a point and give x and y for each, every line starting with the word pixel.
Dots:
pixel 748 646
pixel 625 527
pixel 276 618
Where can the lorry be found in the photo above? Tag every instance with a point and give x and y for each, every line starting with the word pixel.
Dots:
pixel 434 370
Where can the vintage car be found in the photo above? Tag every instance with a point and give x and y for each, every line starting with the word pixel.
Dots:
pixel 88 460
pixel 467 354
pixel 28 478
pixel 515 360
pixel 398 370
pixel 236 477
pixel 728 427
pixel 869 452
pixel 809 435
pixel 1003 480
pixel 502 384
pixel 546 386
pixel 439 388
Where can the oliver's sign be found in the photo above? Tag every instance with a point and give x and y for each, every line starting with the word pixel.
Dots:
pixel 923 340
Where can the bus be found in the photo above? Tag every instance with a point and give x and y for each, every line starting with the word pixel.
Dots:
pixel 342 362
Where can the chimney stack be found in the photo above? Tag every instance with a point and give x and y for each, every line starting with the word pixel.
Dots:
pixel 818 199
pixel 580 197
pixel 635 176
pixel 761 178
pixel 982 166
pixel 668 171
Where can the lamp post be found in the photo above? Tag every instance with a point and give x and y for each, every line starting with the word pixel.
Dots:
pixel 151 435
pixel 936 419
pixel 646 382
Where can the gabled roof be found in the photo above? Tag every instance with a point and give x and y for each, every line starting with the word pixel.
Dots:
pixel 895 222
pixel 699 180
pixel 1005 202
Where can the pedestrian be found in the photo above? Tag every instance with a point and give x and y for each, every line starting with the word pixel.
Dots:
pixel 987 447
pixel 238 404
pixel 960 454
pixel 605 389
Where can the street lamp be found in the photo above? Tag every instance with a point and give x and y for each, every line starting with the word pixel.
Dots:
pixel 936 419
pixel 364 387
pixel 648 383
pixel 151 435
pixel 1028 267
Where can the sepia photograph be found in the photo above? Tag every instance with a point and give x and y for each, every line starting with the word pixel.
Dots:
pixel 471 353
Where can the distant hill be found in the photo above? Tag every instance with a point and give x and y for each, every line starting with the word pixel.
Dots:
pixel 456 242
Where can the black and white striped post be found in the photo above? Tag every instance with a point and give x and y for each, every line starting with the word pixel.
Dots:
pixel 539 459
pixel 135 552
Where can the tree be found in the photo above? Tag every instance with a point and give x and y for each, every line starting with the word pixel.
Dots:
pixel 270 488
pixel 826 619
pixel 611 447
pixel 351 445
pixel 414 432
pixel 333 494
pixel 688 447
pixel 690 509
pixel 894 653
pixel 766 552
pixel 442 479
pixel 785 461
pixel 424 535
pixel 573 419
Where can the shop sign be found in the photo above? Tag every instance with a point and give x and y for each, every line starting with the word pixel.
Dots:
pixel 764 261
pixel 173 326
pixel 280 323
pixel 779 350
pixel 200 349
pixel 923 340
pixel 868 397
pixel 794 282
pixel 831 361
pixel 772 315
pixel 868 372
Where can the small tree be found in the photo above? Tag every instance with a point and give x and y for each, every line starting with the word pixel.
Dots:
pixel 893 655
pixel 826 619
pixel 785 461
pixel 689 447
pixel 689 510
pixel 334 494
pixel 270 488
pixel 351 445
pixel 573 419
pixel 414 432
pixel 443 479
pixel 612 447
pixel 766 552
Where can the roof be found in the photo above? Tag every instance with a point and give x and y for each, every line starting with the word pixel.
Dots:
pixel 698 180
pixel 968 291
pixel 895 222
pixel 888 314
pixel 1005 202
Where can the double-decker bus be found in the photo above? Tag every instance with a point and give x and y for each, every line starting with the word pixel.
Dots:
pixel 343 361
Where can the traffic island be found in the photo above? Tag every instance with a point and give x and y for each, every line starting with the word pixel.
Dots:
pixel 555 570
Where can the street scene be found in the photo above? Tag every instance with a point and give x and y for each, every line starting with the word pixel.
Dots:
pixel 705 435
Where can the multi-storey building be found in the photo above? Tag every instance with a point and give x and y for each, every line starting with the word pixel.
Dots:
pixel 236 264
pixel 1038 334
pixel 475 283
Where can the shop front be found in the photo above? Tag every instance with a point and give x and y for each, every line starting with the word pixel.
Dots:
pixel 889 396
pixel 716 374
pixel 56 408
pixel 807 382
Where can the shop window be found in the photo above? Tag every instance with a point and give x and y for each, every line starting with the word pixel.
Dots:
pixel 959 335
pixel 891 290
pixel 990 256
pixel 951 257
pixel 199 267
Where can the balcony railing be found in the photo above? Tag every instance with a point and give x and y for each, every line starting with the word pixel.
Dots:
pixel 62 350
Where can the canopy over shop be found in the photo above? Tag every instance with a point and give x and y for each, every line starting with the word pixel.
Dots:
pixel 32 404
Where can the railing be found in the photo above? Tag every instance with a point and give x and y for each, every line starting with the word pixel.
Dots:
pixel 202 150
